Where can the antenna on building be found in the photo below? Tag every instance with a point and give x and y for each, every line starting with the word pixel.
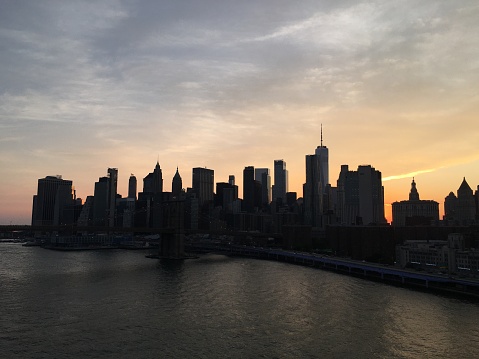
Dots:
pixel 321 135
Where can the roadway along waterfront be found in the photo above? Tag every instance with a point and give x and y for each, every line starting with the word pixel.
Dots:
pixel 372 271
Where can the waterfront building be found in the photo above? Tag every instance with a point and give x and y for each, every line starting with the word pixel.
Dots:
pixel 203 184
pixel 414 211
pixel 54 196
pixel 360 196
pixel 132 187
pixel 280 186
pixel 439 256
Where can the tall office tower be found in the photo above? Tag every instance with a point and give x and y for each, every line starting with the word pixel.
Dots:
pixel 323 154
pixel 54 195
pixel 360 196
pixel 280 186
pixel 176 184
pixel 104 199
pixel 100 202
pixel 313 192
pixel 132 186
pixel 226 194
pixel 262 176
pixel 112 191
pixel 248 189
pixel 203 184
pixel 153 182
pixel 231 180
pixel 465 205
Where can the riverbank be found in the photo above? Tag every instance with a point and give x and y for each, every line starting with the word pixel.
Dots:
pixel 370 271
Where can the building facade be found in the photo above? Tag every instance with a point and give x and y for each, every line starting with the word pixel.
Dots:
pixel 414 211
pixel 461 209
pixel 280 186
pixel 360 196
pixel 263 176
pixel 203 184
pixel 52 202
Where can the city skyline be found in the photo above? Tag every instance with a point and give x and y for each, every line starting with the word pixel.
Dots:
pixel 117 84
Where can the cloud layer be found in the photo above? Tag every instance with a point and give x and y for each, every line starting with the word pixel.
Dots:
pixel 225 84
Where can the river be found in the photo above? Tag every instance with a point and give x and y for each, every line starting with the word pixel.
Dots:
pixel 119 304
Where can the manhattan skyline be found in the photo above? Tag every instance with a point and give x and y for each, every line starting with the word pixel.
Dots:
pixel 224 85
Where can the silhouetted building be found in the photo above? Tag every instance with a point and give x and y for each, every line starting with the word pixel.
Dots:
pixel 262 176
pixel 54 196
pixel 414 211
pixel 153 182
pixel 450 204
pixel 291 198
pixel 203 184
pixel 176 184
pixel 86 214
pixel 313 192
pixel 280 186
pixel 104 202
pixel 476 199
pixel 323 158
pixel 125 210
pixel 463 207
pixel 132 186
pixel 360 196
pixel 225 195
pixel 112 192
pixel 248 189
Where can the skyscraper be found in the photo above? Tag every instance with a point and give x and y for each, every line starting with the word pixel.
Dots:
pixel 262 176
pixel 360 196
pixel 248 189
pixel 153 182
pixel 54 195
pixel 112 191
pixel 104 199
pixel 280 186
pixel 313 192
pixel 466 207
pixel 176 184
pixel 203 184
pixel 323 154
pixel 132 186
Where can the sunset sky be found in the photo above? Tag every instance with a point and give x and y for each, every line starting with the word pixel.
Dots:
pixel 87 85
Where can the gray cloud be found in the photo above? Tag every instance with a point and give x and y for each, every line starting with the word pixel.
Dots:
pixel 210 80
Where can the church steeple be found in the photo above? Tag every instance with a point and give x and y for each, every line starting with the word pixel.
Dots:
pixel 413 195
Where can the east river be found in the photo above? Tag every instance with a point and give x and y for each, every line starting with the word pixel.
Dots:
pixel 119 304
